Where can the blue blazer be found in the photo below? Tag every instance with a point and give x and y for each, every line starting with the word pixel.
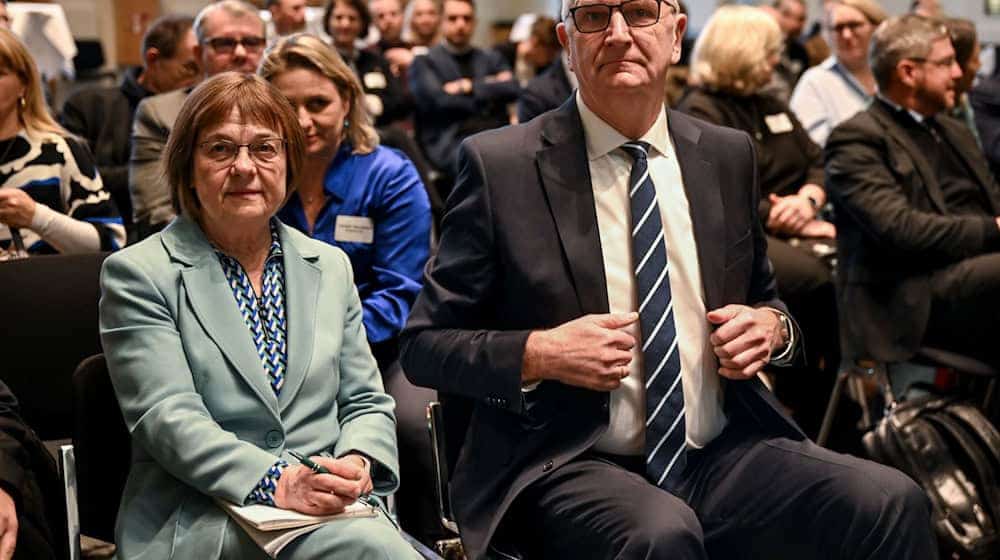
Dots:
pixel 204 421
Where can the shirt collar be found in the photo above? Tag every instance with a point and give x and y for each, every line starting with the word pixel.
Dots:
pixel 273 251
pixel 334 183
pixel 899 108
pixel 602 138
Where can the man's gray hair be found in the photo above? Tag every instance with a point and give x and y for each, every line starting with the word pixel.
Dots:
pixel 236 8
pixel 899 38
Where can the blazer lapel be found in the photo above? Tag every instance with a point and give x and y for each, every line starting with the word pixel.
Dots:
pixel 882 114
pixel 302 282
pixel 565 174
pixel 211 299
pixel 704 194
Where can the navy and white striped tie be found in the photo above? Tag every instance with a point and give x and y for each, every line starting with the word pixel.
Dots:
pixel 665 429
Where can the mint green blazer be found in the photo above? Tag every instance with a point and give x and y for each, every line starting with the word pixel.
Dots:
pixel 204 421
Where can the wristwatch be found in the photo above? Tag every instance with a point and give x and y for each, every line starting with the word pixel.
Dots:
pixel 786 329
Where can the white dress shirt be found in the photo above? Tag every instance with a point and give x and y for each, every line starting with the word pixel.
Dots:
pixel 609 171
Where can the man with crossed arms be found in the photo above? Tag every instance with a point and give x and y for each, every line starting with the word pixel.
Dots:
pixel 603 298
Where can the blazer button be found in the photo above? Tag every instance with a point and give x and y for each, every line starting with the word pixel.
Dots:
pixel 547 467
pixel 274 439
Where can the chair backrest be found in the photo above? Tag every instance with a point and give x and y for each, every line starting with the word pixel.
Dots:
pixel 102 447
pixel 49 307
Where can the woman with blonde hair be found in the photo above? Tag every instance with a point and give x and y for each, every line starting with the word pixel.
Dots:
pixel 369 201
pixel 733 60
pixel 52 199
pixel 841 85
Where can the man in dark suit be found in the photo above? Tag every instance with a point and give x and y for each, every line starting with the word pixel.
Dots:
pixel 616 407
pixel 545 91
pixel 103 115
pixel 458 89
pixel 985 101
pixel 32 510
pixel 916 206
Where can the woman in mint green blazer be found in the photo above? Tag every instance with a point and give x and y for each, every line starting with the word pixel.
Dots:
pixel 233 339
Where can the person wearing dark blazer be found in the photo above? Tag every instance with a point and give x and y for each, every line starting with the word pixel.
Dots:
pixel 545 92
pixel 551 309
pixel 32 502
pixel 985 100
pixel 458 89
pixel 916 208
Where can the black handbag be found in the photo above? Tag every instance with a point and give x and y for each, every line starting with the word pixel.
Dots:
pixel 953 452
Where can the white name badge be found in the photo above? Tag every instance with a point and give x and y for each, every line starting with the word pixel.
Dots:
pixel 778 124
pixel 354 229
pixel 375 80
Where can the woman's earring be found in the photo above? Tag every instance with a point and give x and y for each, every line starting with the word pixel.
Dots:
pixel 22 102
pixel 347 123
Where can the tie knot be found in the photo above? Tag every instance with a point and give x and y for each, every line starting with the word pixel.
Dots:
pixel 637 150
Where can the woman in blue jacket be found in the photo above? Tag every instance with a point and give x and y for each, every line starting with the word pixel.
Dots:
pixel 369 201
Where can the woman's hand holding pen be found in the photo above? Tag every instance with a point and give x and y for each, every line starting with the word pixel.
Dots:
pixel 301 489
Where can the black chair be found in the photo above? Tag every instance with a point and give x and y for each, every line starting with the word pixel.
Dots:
pixel 450 548
pixel 49 304
pixel 102 448
pixel 861 373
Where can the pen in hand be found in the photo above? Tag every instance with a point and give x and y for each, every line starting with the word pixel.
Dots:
pixel 320 469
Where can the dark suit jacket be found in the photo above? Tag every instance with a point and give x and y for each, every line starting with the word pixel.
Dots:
pixel 985 100
pixel 894 229
pixel 520 251
pixel 439 116
pixel 544 92
pixel 28 473
pixel 103 117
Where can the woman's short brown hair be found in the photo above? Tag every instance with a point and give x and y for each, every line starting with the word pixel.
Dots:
pixel 209 105
pixel 309 52
pixel 360 6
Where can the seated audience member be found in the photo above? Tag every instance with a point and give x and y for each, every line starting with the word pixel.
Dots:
pixel 985 101
pixel 927 8
pixel 232 339
pixel 422 24
pixel 385 99
pixel 733 59
pixel 388 18
pixel 966 44
pixel 230 36
pixel 547 90
pixel 537 52
pixel 602 302
pixel 287 18
pixel 916 207
pixel 103 115
pixel 791 17
pixel 368 201
pixel 32 506
pixel 52 199
pixel 842 84
pixel 458 89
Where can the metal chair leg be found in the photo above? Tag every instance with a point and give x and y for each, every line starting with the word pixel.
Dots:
pixel 831 408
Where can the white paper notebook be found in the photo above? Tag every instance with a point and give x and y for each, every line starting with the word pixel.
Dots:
pixel 273 528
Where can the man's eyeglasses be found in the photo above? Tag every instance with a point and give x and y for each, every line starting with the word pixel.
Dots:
pixel 226 45
pixel 852 26
pixel 592 18
pixel 223 152
pixel 941 63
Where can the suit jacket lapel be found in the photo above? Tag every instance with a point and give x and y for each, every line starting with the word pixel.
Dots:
pixel 881 112
pixel 211 299
pixel 302 282
pixel 704 196
pixel 565 173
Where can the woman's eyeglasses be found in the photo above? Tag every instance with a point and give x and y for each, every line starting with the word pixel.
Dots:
pixel 224 152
